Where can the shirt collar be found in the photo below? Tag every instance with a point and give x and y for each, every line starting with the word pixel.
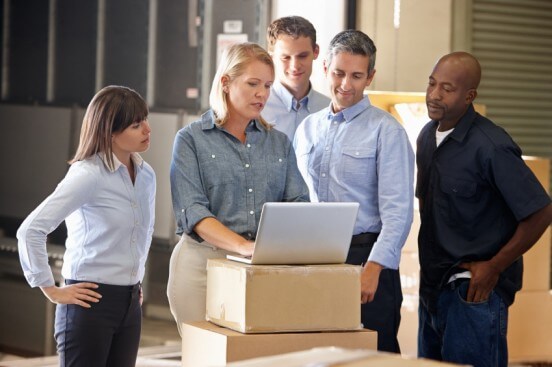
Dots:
pixel 208 122
pixel 135 157
pixel 287 98
pixel 350 113
pixel 464 124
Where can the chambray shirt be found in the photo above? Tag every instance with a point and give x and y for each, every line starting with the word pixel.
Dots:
pixel 282 112
pixel 214 175
pixel 361 154
pixel 109 224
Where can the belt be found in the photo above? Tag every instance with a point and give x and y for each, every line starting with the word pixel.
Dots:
pixel 365 239
pixel 109 287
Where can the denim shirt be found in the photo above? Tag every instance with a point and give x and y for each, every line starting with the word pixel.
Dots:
pixel 362 154
pixel 109 224
pixel 214 175
pixel 281 108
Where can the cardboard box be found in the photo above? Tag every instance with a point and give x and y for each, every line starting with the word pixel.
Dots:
pixel 408 329
pixel 536 261
pixel 529 331
pixel 275 298
pixel 206 344
pixel 338 357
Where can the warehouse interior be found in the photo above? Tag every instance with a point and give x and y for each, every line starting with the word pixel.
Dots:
pixel 56 54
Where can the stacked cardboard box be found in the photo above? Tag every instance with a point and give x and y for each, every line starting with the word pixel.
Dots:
pixel 257 310
pixel 530 317
pixel 206 344
pixel 338 357
pixel 282 298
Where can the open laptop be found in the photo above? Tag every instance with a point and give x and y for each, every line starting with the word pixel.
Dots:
pixel 303 233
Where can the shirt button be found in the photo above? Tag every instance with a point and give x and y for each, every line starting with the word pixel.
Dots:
pixel 247 165
pixel 134 240
pixel 249 145
pixel 212 156
pixel 279 159
pixel 357 153
pixel 250 190
pixel 182 210
pixel 251 212
pixel 323 175
pixel 327 148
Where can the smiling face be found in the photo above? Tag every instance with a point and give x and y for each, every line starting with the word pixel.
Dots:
pixel 293 58
pixel 134 139
pixel 347 75
pixel 247 93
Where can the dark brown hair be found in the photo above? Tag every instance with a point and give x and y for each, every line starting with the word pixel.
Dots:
pixel 112 110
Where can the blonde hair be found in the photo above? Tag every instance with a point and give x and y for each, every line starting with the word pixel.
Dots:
pixel 234 61
pixel 112 110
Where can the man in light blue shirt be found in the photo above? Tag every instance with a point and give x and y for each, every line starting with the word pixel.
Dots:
pixel 292 44
pixel 353 151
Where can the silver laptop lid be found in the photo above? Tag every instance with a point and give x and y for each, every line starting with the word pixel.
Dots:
pixel 304 233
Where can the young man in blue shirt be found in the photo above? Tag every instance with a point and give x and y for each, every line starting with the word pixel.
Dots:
pixel 292 45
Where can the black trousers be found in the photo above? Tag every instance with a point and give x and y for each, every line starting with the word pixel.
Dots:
pixel 107 334
pixel 383 314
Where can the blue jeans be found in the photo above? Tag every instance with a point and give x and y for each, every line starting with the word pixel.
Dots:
pixel 464 332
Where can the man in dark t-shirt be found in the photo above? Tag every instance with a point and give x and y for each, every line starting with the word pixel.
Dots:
pixel 481 209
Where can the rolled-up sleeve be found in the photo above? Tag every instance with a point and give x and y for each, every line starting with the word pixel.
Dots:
pixel 190 203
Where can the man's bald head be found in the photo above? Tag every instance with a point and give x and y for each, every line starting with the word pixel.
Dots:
pixel 466 64
pixel 452 88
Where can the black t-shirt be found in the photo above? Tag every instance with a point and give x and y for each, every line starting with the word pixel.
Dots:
pixel 475 189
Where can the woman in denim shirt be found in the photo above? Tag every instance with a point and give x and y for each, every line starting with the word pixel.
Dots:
pixel 224 168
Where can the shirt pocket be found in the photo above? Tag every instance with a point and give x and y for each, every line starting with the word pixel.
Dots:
pixel 460 202
pixel 459 188
pixel 358 165
pixel 215 170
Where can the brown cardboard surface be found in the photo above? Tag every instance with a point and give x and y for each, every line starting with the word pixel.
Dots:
pixel 536 269
pixel 267 299
pixel 529 326
pixel 338 357
pixel 207 344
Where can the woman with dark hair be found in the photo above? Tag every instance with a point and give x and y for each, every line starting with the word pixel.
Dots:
pixel 107 201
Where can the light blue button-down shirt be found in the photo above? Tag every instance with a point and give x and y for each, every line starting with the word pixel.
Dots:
pixel 109 224
pixel 281 108
pixel 214 175
pixel 362 154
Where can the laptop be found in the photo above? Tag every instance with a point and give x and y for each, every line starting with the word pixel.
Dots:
pixel 303 233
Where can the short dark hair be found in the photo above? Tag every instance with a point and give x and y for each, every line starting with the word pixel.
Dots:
pixel 294 26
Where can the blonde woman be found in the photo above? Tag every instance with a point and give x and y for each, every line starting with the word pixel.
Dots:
pixel 107 202
pixel 224 168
